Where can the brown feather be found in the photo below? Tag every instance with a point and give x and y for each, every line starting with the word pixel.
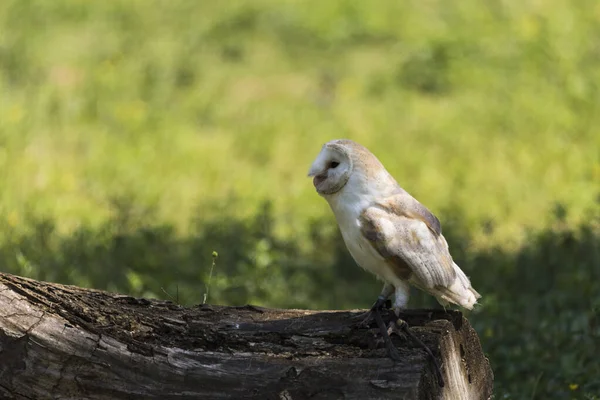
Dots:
pixel 374 235
pixel 432 268
pixel 406 205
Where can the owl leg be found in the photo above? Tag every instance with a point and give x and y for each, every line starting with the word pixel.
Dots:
pixel 386 292
pixel 375 312
pixel 401 296
pixel 402 292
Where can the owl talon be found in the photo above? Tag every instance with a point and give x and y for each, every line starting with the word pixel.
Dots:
pixel 367 318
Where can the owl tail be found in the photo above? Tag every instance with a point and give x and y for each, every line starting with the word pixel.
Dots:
pixel 460 292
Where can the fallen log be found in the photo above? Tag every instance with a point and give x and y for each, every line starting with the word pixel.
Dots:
pixel 66 342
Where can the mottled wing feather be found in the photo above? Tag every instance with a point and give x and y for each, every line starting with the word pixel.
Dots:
pixel 406 205
pixel 372 231
pixel 409 242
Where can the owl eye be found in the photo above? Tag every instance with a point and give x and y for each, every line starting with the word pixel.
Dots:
pixel 333 164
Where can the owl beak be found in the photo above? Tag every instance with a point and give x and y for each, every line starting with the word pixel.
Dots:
pixel 314 171
pixel 318 175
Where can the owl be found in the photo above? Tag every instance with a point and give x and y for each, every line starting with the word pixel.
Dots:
pixel 386 230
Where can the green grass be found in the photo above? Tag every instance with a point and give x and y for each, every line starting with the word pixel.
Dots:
pixel 137 136
pixel 179 104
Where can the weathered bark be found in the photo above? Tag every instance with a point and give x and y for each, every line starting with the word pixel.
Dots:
pixel 67 342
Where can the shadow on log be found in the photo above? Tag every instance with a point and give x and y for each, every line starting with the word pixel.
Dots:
pixel 67 342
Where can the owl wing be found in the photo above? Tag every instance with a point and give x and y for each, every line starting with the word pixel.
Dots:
pixel 409 237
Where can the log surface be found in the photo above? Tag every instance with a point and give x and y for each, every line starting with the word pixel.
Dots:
pixel 66 342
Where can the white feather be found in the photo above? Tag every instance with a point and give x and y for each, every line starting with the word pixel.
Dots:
pixel 347 205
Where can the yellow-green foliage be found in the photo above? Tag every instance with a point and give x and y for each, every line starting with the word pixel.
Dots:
pixel 489 106
pixel 139 136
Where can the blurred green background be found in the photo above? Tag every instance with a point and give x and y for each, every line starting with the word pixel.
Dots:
pixel 139 136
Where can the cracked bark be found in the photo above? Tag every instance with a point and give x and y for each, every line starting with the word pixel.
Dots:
pixel 67 342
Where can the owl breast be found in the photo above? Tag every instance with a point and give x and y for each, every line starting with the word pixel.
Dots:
pixel 347 213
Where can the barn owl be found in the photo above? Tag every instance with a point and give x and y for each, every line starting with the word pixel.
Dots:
pixel 386 230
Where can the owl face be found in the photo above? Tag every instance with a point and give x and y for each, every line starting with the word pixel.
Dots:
pixel 331 169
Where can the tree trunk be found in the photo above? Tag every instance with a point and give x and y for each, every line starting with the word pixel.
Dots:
pixel 65 342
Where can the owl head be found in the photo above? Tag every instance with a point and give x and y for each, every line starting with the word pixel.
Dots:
pixel 342 160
